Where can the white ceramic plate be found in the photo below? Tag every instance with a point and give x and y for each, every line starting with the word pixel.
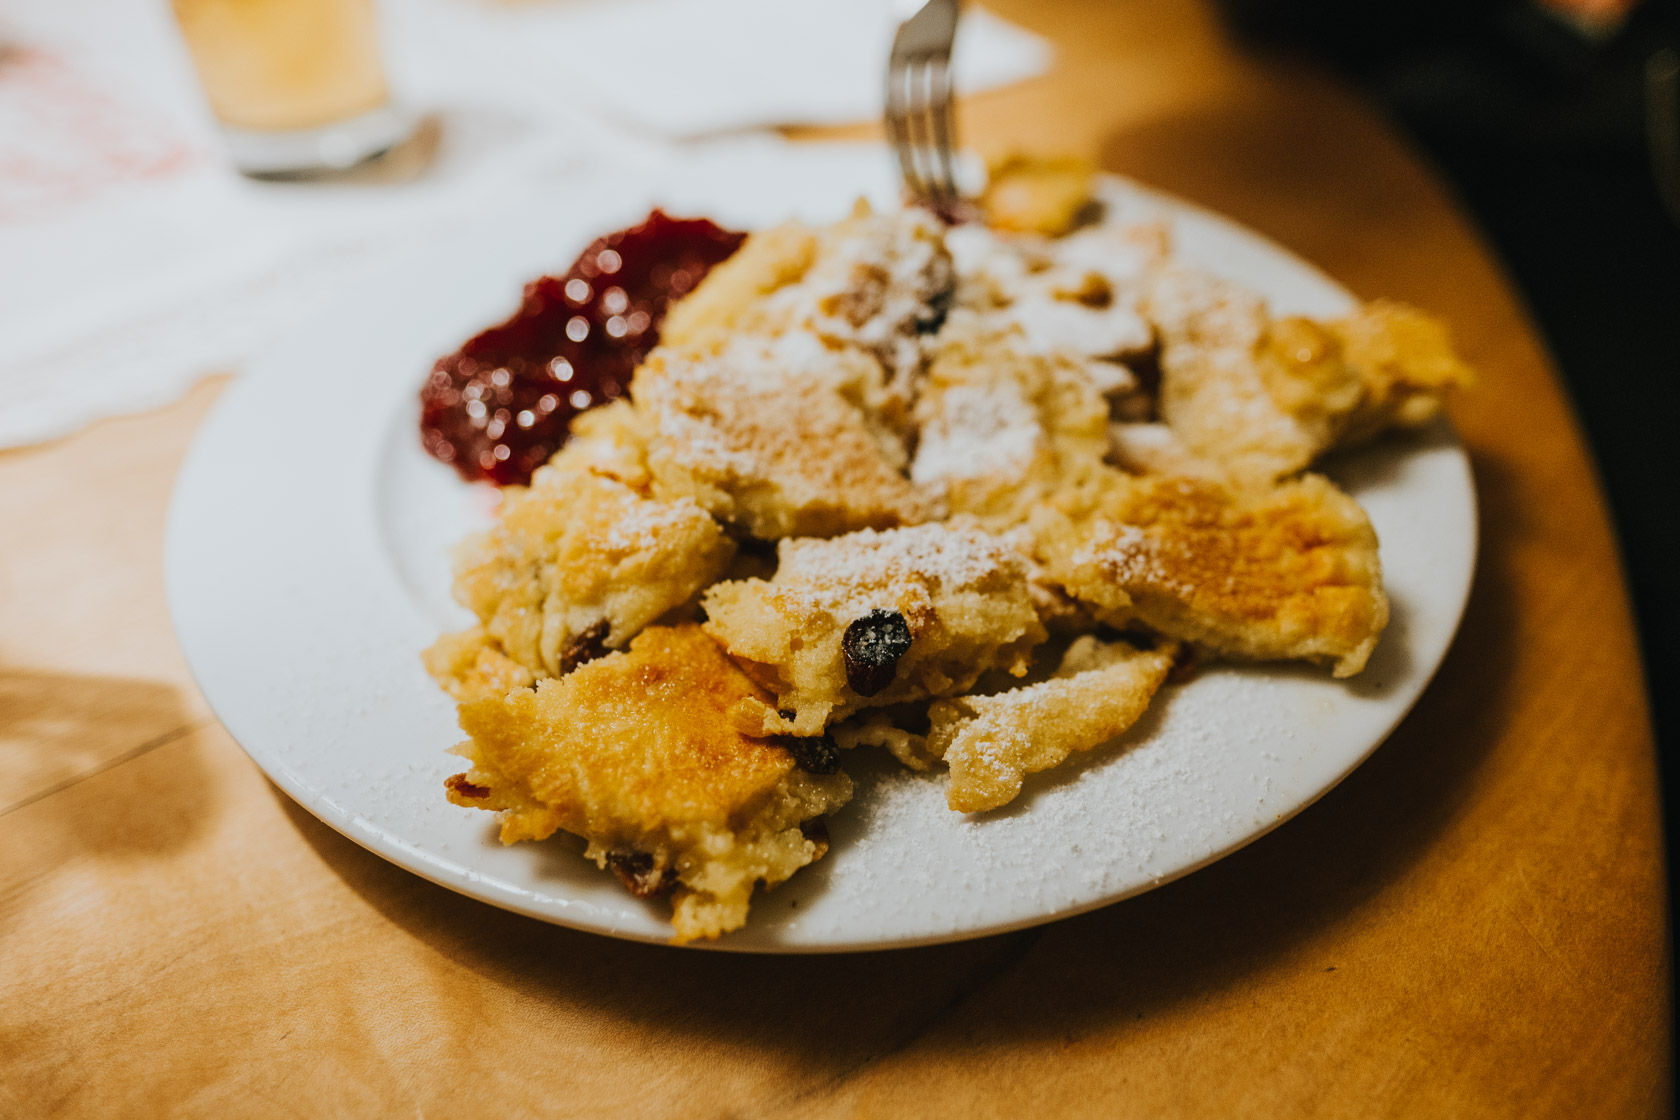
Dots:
pixel 308 567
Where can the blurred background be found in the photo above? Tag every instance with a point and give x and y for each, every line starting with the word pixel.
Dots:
pixel 1557 123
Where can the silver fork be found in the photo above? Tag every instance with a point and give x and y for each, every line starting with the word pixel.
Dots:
pixel 919 104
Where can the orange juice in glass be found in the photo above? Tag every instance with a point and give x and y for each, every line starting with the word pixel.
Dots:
pixel 296 84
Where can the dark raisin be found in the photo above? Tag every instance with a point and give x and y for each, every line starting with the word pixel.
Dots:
pixel 640 876
pixel 817 754
pixel 1095 293
pixel 587 646
pixel 938 308
pixel 872 646
pixel 1185 666
pixel 752 546
pixel 1142 639
pixel 1147 369
pixel 458 784
pixel 816 831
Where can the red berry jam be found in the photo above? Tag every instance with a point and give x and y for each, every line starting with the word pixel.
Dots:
pixel 499 406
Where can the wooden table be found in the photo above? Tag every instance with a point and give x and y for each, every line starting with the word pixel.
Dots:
pixel 1472 924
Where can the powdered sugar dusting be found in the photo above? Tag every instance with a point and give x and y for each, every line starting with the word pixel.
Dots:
pixel 1052 325
pixel 1076 296
pixel 979 430
pixel 687 394
pixel 877 286
pixel 951 558
pixel 1110 820
pixel 642 526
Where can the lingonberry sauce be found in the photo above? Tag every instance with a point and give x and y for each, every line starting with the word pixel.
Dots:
pixel 499 406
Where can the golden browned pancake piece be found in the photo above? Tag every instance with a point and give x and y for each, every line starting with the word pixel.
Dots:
pixel 1028 194
pixel 778 437
pixel 471 663
pixel 1214 392
pixel 874 283
pixel 636 753
pixel 1264 397
pixel 579 562
pixel 875 618
pixel 1003 428
pixel 1406 365
pixel 992 742
pixel 731 297
pixel 1288 572
pixel 879 283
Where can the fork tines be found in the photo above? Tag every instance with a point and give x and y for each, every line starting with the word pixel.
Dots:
pixel 918 109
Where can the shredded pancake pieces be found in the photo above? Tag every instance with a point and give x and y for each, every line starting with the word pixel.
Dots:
pixel 966 494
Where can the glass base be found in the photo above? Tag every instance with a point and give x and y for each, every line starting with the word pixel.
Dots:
pixel 338 146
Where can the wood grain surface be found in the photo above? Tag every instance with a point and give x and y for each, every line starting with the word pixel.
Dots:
pixel 1471 925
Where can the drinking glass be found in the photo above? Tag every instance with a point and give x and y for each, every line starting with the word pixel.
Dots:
pixel 297 85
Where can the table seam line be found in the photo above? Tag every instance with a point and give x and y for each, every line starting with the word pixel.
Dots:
pixel 129 755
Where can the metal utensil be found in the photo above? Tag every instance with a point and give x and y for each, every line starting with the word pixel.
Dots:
pixel 918 104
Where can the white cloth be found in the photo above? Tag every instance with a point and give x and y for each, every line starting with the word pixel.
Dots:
pixel 688 68
pixel 133 260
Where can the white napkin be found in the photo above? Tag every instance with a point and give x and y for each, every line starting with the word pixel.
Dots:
pixel 133 260
pixel 688 68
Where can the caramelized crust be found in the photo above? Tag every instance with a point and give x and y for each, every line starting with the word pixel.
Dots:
pixel 1290 572
pixel 778 437
pixel 637 754
pixel 963 595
